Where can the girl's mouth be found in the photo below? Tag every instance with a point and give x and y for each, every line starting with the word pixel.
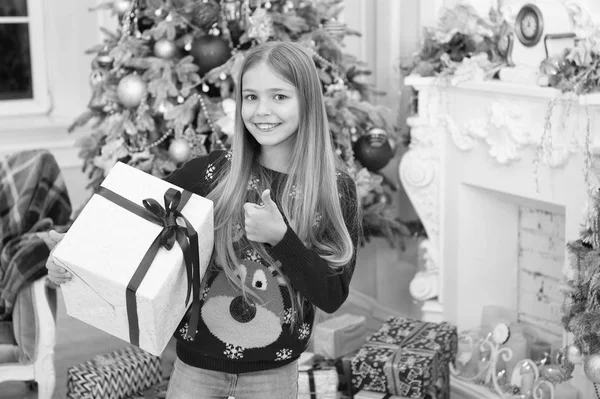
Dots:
pixel 266 127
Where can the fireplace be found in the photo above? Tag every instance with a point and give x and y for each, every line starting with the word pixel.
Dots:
pixel 500 189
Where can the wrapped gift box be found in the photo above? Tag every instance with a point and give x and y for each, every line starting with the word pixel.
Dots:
pixel 340 335
pixel 393 369
pixel 376 395
pixel 115 375
pixel 318 380
pixel 408 358
pixel 108 250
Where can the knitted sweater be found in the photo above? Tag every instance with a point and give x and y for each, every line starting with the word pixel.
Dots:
pixel 233 338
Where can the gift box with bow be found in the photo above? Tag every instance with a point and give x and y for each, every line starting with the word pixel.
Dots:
pixel 136 263
pixel 318 380
pixel 406 357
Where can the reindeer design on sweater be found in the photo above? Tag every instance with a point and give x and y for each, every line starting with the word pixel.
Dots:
pixel 241 324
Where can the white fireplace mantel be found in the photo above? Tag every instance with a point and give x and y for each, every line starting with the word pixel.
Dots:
pixel 478 150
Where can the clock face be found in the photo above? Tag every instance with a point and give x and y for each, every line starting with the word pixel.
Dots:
pixel 529 25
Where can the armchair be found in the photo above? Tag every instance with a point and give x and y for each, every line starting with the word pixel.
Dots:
pixel 27 350
pixel 33 200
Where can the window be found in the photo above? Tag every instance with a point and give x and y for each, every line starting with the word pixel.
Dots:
pixel 23 86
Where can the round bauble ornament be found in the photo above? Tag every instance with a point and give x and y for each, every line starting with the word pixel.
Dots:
pixel 179 150
pixel 144 23
pixel 209 52
pixel 104 59
pixel 165 48
pixel 131 90
pixel 591 367
pixel 122 6
pixel 373 149
pixel 574 354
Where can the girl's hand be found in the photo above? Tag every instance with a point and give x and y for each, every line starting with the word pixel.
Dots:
pixel 57 274
pixel 264 223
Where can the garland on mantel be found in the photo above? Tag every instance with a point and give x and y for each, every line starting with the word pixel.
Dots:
pixel 465 46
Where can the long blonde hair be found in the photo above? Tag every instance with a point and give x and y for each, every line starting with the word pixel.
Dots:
pixel 311 172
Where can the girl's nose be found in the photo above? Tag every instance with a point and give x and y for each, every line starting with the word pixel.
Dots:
pixel 263 108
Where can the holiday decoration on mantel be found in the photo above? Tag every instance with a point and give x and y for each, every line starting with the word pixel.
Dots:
pixel 463 45
pixel 163 86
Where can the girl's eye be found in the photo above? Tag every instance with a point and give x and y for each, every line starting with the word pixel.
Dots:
pixel 250 97
pixel 280 97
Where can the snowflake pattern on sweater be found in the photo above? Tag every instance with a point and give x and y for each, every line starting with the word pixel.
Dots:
pixel 238 333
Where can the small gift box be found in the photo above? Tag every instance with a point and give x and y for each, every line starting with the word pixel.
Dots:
pixel 318 381
pixel 340 335
pixel 408 358
pixel 137 263
pixel 115 375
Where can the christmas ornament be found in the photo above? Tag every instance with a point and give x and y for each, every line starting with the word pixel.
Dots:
pixel 104 59
pixel 260 26
pixel 122 6
pixel 336 29
pixel 98 76
pixel 145 23
pixel 210 52
pixel 206 14
pixel 179 150
pixel 164 107
pixel 373 150
pixel 383 198
pixel 165 48
pixel 131 90
pixel 591 367
pixel 574 354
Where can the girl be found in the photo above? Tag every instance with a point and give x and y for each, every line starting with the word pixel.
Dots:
pixel 286 233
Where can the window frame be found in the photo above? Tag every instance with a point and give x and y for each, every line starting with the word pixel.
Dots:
pixel 40 103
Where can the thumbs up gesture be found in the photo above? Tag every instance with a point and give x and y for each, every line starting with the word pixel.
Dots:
pixel 264 223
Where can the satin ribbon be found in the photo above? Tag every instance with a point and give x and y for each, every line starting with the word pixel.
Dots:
pixel 186 236
pixel 393 362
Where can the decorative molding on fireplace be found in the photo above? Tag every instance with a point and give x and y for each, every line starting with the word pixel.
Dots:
pixel 479 152
pixel 420 176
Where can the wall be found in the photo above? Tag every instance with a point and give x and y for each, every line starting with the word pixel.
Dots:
pixel 390 35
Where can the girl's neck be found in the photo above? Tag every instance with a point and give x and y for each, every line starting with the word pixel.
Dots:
pixel 273 159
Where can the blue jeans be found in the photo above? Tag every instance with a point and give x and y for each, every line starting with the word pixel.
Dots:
pixel 189 382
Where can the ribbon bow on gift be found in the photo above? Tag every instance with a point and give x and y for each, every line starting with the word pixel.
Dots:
pixel 187 238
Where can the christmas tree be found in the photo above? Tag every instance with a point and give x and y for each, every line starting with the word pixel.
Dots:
pixel 162 89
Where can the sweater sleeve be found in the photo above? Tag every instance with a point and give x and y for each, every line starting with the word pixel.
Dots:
pixel 191 175
pixel 308 272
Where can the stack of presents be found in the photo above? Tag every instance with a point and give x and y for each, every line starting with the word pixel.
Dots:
pixel 405 358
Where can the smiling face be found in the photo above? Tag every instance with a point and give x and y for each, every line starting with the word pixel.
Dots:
pixel 270 108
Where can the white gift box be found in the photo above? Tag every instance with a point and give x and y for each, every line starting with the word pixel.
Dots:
pixel 340 335
pixel 104 247
pixel 324 383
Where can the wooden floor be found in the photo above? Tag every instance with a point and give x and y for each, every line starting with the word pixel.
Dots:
pixel 76 343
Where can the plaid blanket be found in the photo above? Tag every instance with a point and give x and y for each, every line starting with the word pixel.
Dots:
pixel 33 198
